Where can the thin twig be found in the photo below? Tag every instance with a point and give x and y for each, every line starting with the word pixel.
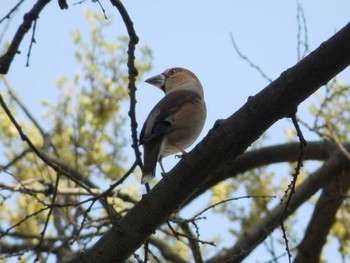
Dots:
pixel 81 226
pixel 302 27
pixel 178 234
pixel 122 179
pixel 196 216
pixel 286 241
pixel 291 187
pixel 245 58
pixel 28 19
pixel 13 9
pixel 22 220
pixel 15 159
pixel 103 10
pixel 172 229
pixel 133 72
pixel 146 249
pixel 51 207
pixel 30 116
pixel 79 2
pixel 47 189
pixel 32 41
pixel 31 145
pixel 192 241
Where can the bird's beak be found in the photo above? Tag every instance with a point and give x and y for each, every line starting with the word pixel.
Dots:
pixel 157 81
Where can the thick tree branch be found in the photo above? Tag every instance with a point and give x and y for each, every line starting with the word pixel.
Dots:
pixel 224 143
pixel 259 231
pixel 323 219
pixel 287 152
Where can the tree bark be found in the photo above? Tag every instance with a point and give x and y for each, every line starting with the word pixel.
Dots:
pixel 262 228
pixel 225 142
pixel 287 152
pixel 323 218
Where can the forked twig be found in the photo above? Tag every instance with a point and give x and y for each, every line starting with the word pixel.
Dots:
pixel 28 19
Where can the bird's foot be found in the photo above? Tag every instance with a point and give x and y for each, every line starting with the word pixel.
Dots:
pixel 179 155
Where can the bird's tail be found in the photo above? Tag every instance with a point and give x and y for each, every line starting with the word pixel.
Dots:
pixel 147 176
pixel 150 157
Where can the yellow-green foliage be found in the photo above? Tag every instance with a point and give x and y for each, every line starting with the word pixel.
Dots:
pixel 331 112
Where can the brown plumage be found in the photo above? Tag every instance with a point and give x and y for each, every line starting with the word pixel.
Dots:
pixel 176 121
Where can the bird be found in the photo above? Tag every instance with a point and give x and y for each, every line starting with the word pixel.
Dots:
pixel 176 120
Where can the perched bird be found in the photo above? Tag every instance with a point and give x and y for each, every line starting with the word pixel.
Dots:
pixel 175 122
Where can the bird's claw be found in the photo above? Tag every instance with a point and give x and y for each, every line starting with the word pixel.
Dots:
pixel 179 155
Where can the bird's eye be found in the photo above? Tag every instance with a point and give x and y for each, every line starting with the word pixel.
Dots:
pixel 172 71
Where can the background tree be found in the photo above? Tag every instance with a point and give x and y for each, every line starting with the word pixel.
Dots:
pixel 82 135
pixel 53 205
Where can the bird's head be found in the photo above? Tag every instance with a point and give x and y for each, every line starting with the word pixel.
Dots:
pixel 175 79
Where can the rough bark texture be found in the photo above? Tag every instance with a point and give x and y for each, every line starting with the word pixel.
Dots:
pixel 287 152
pixel 259 231
pixel 323 218
pixel 225 142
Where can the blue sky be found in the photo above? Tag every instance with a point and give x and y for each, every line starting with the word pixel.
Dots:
pixel 192 34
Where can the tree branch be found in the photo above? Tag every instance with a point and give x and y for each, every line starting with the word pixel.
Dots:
pixel 46 189
pixel 28 19
pixel 167 252
pixel 323 218
pixel 192 241
pixel 287 152
pixel 225 142
pixel 262 228
pixel 133 40
pixel 13 9
pixel 23 107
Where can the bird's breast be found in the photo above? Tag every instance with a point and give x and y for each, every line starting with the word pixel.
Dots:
pixel 187 125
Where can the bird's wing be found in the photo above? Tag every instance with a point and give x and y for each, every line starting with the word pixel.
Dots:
pixel 161 119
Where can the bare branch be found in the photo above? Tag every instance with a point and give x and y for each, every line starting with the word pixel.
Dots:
pixel 15 159
pixel 228 139
pixel 167 252
pixel 262 228
pixel 229 200
pixel 46 189
pixel 193 242
pixel 32 41
pixel 302 31
pixel 250 63
pixel 28 19
pixel 133 40
pixel 31 145
pixel 287 152
pixel 51 207
pixel 291 187
pixel 2 234
pixel 13 9
pixel 103 10
pixel 323 218
pixel 30 116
